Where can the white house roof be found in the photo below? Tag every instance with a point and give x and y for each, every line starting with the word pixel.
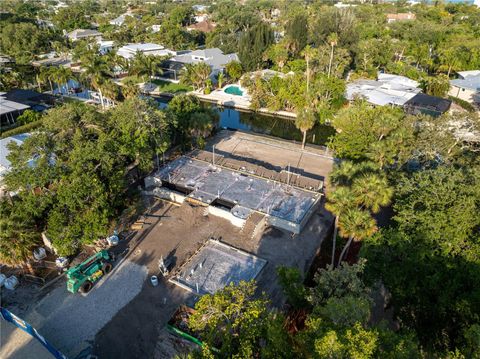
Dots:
pixel 118 21
pixel 129 50
pixel 4 163
pixel 200 8
pixel 7 106
pixel 397 79
pixel 388 90
pixel 213 57
pixel 464 74
pixel 470 82
pixel 81 33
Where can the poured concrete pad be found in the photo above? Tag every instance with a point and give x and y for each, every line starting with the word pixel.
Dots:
pixel 215 266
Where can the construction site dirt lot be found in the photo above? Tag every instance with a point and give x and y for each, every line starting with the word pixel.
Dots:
pixel 273 153
pixel 176 232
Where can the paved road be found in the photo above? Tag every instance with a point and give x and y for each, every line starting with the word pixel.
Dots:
pixel 70 321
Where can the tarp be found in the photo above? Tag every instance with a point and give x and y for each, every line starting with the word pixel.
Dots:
pixel 27 328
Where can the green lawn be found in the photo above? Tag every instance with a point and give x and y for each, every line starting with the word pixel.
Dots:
pixel 164 86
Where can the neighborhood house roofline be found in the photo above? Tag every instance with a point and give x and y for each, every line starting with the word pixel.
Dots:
pixel 142 47
pixel 470 82
pixel 213 57
pixel 430 103
pixel 83 33
pixel 7 106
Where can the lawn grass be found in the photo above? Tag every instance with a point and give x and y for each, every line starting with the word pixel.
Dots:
pixel 170 87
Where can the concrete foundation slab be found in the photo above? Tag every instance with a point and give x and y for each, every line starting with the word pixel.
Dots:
pixel 215 266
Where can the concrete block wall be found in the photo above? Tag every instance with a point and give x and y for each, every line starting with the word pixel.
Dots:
pixel 219 212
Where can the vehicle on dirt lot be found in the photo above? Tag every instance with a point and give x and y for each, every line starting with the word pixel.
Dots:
pixel 82 277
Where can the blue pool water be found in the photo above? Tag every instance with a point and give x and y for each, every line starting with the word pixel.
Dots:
pixel 233 90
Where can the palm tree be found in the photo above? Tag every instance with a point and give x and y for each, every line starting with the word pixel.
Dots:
pixel 372 191
pixel 308 52
pixel 62 75
pixel 43 76
pixel 332 40
pixel 18 236
pixel 305 121
pixel 337 202
pixel 203 72
pixel 96 71
pixel 130 88
pixel 109 90
pixel 220 79
pixel 146 65
pixel 356 224
pixel 196 75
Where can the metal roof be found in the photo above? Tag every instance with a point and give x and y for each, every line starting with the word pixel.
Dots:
pixel 213 57
pixel 7 106
pixel 471 82
pixel 390 90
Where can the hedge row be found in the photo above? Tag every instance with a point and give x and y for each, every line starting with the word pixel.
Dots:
pixel 462 103
pixel 21 129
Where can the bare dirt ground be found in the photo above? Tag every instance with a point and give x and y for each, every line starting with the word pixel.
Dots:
pixel 273 153
pixel 137 331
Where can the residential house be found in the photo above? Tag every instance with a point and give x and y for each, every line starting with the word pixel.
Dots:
pixel 10 110
pixel 213 57
pixel 5 60
pixel 200 8
pixel 387 90
pixel 403 16
pixel 104 46
pixel 35 100
pixel 45 24
pixel 155 28
pixel 121 19
pixel 202 26
pixel 467 86
pixel 130 50
pixel 82 34
pixel 427 105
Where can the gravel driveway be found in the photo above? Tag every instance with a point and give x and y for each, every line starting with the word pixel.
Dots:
pixel 70 321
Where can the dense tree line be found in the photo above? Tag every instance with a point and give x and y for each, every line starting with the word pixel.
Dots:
pixel 70 176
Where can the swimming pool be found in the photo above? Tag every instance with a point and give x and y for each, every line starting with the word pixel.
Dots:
pixel 233 90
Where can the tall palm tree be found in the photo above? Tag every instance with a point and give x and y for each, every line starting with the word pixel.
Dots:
pixel 308 53
pixel 146 65
pixel 305 121
pixel 203 72
pixel 188 76
pixel 338 202
pixel 110 90
pixel 356 224
pixel 96 71
pixel 332 40
pixel 62 75
pixel 130 88
pixel 372 192
pixel 18 236
pixel 196 75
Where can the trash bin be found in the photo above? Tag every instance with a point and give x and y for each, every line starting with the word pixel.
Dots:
pixel 154 280
pixel 39 253
pixel 3 278
pixel 61 262
pixel 11 282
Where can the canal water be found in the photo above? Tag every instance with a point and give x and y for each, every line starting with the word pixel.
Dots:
pixel 269 125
